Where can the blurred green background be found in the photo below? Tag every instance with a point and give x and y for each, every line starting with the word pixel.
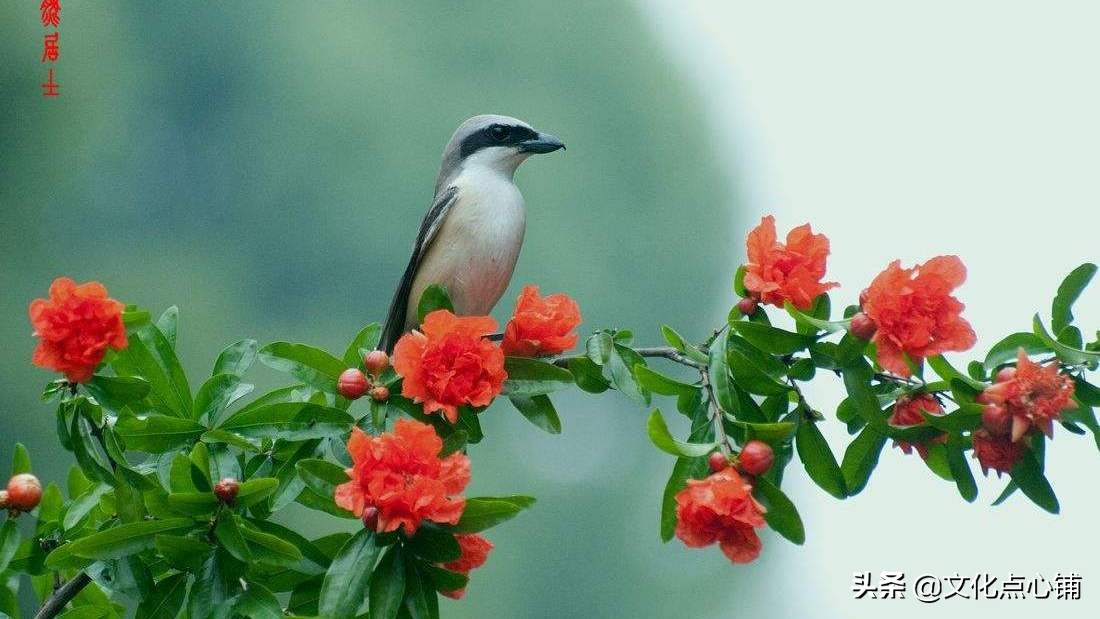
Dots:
pixel 265 165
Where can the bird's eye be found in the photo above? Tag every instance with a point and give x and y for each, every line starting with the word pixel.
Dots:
pixel 499 132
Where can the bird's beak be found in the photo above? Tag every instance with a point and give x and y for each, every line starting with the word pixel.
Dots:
pixel 545 143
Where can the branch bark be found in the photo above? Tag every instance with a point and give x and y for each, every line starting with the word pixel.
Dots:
pixel 56 602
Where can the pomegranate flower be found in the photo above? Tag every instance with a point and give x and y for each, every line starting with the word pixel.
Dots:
pixel 999 453
pixel 449 363
pixel 401 475
pixel 907 412
pixel 475 551
pixel 541 325
pixel 720 509
pixel 76 326
pixel 915 314
pixel 1034 395
pixel 792 271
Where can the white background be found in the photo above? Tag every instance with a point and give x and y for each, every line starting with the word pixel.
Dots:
pixel 906 130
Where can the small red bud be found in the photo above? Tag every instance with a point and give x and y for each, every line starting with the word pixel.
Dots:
pixel 226 490
pixel 756 457
pixel 862 326
pixel 996 420
pixel 376 362
pixel 380 393
pixel 24 492
pixel 1005 374
pixel 352 384
pixel 370 518
pixel 718 461
pixel 747 305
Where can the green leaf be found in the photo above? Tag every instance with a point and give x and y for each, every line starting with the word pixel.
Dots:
pixel 960 470
pixel 1028 476
pixel 770 432
pixel 1005 350
pixel 122 540
pixel 229 536
pixel 663 440
pixel 620 365
pixel 420 599
pixel 588 375
pixel 215 585
pixel 157 433
pixel 651 380
pixel 20 460
pixel 677 341
pixel 321 476
pixel 946 371
pixel 255 490
pixel 365 341
pixel 217 394
pixel 268 548
pixel 345 584
pixel 82 505
pixel 1061 310
pixel 484 512
pixel 815 323
pixel 434 297
pixel 237 358
pixel 257 602
pixel 168 325
pixel 598 347
pixel 221 437
pixel 308 364
pixel 539 410
pixel 770 339
pixel 531 377
pixel 289 421
pixel 819 460
pixel 781 514
pixel 165 600
pixel 9 543
pixel 434 545
pixel 739 282
pixel 718 373
pixel 387 586
pixel 116 392
pixel 861 458
pixel 182 553
pixel 446 580
pixel 752 370
pixel 158 345
pixel 1065 353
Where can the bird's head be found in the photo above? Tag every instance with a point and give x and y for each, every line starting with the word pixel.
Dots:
pixel 496 143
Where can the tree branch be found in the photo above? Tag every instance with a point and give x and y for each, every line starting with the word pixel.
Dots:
pixel 56 602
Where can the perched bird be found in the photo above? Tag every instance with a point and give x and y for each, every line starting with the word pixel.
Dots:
pixel 470 238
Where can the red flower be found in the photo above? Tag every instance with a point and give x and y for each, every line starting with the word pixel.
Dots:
pixel 720 509
pixel 448 363
pixel 999 453
pixel 76 326
pixel 915 312
pixel 475 550
pixel 401 475
pixel 541 325
pixel 778 272
pixel 907 412
pixel 1034 395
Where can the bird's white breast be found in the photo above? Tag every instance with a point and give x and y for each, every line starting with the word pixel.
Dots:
pixel 476 248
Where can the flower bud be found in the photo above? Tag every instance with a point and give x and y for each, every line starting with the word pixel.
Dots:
pixel 352 384
pixel 862 326
pixel 756 457
pixel 226 490
pixel 24 492
pixel 370 518
pixel 718 461
pixel 747 305
pixel 1005 374
pixel 376 362
pixel 380 393
pixel 996 419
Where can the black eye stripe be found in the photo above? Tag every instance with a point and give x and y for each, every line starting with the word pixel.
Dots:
pixel 485 137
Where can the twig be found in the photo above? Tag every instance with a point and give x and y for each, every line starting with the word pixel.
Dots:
pixel 715 416
pixel 665 352
pixel 56 602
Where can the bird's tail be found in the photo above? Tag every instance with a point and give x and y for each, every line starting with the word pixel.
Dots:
pixel 395 325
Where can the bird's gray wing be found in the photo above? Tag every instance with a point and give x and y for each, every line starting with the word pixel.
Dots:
pixel 429 226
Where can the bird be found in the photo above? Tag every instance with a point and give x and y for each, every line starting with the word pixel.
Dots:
pixel 470 238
